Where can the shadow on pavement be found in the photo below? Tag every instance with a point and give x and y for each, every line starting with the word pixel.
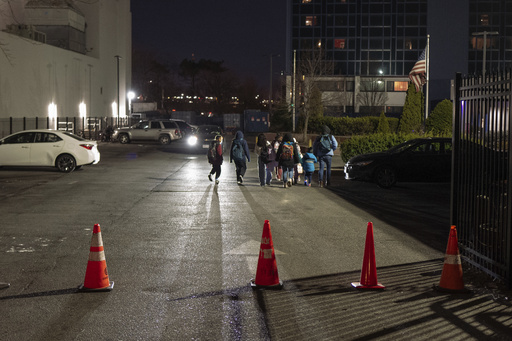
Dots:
pixel 421 210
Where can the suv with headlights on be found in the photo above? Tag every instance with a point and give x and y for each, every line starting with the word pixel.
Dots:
pixel 163 131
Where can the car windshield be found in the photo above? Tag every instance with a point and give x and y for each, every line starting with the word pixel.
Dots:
pixel 401 147
pixel 76 137
pixel 209 130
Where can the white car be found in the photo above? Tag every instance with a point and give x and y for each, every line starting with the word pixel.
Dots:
pixel 53 148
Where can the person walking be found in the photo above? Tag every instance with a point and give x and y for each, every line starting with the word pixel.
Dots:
pixel 288 156
pixel 323 148
pixel 297 168
pixel 274 164
pixel 215 158
pixel 239 153
pixel 308 165
pixel 262 149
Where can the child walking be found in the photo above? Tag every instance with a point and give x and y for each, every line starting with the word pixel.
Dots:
pixel 215 158
pixel 308 164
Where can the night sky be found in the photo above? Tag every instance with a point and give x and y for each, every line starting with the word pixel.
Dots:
pixel 241 33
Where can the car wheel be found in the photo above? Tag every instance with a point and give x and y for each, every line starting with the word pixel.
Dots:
pixel 65 163
pixel 385 177
pixel 124 138
pixel 164 139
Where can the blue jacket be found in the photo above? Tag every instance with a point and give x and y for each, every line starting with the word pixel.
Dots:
pixel 318 152
pixel 240 136
pixel 308 162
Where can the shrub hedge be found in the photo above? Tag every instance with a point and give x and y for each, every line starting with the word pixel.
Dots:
pixel 364 133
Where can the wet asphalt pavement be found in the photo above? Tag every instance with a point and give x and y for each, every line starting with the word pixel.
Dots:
pixel 182 252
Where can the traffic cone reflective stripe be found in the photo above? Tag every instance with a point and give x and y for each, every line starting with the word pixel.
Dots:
pixel 96 274
pixel 369 269
pixel 266 273
pixel 451 277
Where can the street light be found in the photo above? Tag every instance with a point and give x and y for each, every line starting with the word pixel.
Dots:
pixel 131 96
pixel 485 34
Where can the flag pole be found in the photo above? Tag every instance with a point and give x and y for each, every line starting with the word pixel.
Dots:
pixel 427 57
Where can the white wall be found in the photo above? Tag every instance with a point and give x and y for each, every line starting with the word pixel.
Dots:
pixel 33 75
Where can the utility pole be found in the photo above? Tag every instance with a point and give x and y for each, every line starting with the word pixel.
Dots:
pixel 270 89
pixel 294 95
pixel 118 95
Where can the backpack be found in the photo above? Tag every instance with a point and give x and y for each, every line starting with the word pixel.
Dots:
pixel 212 152
pixel 287 153
pixel 325 144
pixel 271 152
pixel 238 150
pixel 264 155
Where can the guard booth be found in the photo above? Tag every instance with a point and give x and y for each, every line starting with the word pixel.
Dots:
pixel 481 207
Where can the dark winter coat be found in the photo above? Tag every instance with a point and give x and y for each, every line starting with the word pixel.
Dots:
pixel 240 137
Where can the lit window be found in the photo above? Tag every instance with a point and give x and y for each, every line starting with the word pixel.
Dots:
pixel 319 44
pixel 401 86
pixel 408 45
pixel 306 1
pixel 339 43
pixel 310 21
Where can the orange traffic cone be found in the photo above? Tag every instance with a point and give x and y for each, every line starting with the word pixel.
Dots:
pixel 96 275
pixel 451 277
pixel 369 270
pixel 266 273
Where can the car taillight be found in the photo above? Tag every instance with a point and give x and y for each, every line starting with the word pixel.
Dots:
pixel 87 146
pixel 177 132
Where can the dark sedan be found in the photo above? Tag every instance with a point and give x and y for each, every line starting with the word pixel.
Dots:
pixel 203 136
pixel 423 160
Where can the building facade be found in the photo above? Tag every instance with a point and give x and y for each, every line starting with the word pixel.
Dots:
pixel 64 59
pixel 383 39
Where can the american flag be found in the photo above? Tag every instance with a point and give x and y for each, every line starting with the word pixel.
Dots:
pixel 417 74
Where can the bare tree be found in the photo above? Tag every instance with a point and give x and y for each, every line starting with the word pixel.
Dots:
pixel 372 96
pixel 312 67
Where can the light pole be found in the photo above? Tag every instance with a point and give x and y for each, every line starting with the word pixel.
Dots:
pixel 118 104
pixel 485 34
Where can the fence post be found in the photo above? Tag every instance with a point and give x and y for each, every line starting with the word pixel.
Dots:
pixel 508 242
pixel 455 150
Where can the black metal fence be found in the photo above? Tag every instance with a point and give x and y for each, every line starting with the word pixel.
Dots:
pixel 481 179
pixel 88 127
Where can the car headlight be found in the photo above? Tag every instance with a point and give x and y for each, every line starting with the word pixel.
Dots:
pixel 192 140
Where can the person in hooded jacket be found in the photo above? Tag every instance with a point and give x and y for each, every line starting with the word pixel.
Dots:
pixel 324 154
pixel 308 164
pixel 286 161
pixel 239 153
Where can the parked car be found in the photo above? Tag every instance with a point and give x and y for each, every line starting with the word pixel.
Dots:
pixel 163 131
pixel 53 148
pixel 186 128
pixel 423 159
pixel 203 136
